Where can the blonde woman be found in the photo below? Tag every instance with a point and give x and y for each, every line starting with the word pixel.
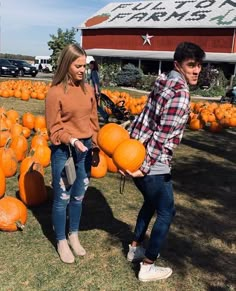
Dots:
pixel 72 122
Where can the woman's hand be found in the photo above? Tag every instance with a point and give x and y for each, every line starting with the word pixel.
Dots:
pixel 80 146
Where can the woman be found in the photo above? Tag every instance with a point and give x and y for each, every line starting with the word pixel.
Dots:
pixel 72 122
pixel 94 77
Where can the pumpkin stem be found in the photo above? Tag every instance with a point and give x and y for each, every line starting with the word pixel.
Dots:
pixel 19 225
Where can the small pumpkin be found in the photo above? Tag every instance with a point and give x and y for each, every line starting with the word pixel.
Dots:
pixel 8 160
pixel 13 214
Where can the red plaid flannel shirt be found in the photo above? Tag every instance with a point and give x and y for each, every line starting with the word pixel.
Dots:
pixel 161 124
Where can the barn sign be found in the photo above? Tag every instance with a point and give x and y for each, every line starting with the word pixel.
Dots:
pixel 165 14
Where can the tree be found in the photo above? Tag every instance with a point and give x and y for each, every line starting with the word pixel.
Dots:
pixel 59 41
pixel 129 76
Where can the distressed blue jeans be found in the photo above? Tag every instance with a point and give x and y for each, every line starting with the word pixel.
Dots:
pixel 67 198
pixel 158 197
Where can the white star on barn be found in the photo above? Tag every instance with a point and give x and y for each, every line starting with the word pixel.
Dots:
pixel 147 38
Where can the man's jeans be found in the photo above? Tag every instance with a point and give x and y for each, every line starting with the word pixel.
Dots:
pixel 66 197
pixel 158 196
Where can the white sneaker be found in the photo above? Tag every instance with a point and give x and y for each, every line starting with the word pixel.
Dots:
pixel 150 272
pixel 135 254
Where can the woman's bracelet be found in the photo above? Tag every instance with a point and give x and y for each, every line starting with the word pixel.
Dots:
pixel 73 140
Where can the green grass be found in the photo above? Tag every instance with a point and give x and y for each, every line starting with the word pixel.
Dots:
pixel 200 246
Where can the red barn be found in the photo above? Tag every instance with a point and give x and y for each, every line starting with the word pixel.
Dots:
pixel 147 32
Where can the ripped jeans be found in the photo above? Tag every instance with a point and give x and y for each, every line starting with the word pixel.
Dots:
pixel 68 199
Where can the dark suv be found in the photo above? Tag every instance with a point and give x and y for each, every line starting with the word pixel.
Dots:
pixel 7 69
pixel 24 67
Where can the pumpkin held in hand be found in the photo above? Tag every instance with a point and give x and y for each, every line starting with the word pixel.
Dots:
pixel 110 136
pixel 129 155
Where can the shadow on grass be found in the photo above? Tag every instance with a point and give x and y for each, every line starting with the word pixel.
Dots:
pixel 97 214
pixel 205 227
pixel 43 214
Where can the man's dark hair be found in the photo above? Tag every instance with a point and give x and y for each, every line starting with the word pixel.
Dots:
pixel 188 50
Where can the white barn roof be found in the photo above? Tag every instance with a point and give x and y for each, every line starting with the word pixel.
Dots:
pixel 158 55
pixel 165 14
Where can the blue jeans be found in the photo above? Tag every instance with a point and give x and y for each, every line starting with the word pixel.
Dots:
pixel 158 197
pixel 69 198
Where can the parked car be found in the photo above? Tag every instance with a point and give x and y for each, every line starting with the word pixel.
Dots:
pixel 7 69
pixel 24 67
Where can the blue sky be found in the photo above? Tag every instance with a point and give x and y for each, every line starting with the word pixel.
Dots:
pixel 26 25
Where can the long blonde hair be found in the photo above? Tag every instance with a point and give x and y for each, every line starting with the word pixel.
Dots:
pixel 68 55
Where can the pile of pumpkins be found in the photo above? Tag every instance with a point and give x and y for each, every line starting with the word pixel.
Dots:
pixel 24 148
pixel 24 89
pixel 134 105
pixel 117 151
pixel 212 116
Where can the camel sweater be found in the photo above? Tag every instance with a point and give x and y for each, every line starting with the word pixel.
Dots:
pixel 72 114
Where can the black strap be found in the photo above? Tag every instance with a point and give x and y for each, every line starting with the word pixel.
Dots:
pixel 122 183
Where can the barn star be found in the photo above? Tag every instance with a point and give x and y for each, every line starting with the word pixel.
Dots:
pixel 147 38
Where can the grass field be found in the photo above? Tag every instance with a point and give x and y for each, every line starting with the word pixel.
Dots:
pixel 201 243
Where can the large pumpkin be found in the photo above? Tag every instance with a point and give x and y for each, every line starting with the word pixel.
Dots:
pixel 129 155
pixel 13 214
pixel 110 136
pixel 32 188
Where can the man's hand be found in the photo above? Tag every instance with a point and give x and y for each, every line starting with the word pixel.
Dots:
pixel 135 174
pixel 95 157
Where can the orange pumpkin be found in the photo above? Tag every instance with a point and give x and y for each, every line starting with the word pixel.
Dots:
pixel 13 115
pixel 129 155
pixel 4 136
pixel 28 162
pixel 8 160
pixel 28 120
pixel 42 153
pixel 110 136
pixel 2 183
pixel 20 146
pixel 13 214
pixel 32 188
pixel 39 122
pixel 195 124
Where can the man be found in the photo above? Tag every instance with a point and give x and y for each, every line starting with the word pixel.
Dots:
pixel 160 128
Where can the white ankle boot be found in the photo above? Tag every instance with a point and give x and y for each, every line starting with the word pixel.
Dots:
pixel 75 244
pixel 64 252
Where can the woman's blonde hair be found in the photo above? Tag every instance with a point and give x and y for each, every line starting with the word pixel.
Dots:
pixel 68 55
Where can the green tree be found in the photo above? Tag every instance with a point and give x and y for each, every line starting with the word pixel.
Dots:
pixel 59 41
